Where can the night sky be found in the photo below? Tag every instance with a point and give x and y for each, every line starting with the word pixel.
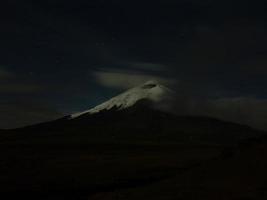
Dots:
pixel 62 56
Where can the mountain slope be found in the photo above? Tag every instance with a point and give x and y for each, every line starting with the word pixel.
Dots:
pixel 128 142
pixel 111 151
pixel 151 91
pixel 138 123
pixel 139 114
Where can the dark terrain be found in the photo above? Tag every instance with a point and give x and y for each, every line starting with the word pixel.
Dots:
pixel 136 153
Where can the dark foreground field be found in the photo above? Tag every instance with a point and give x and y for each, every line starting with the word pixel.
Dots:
pixel 81 171
pixel 159 157
pixel 131 171
pixel 241 176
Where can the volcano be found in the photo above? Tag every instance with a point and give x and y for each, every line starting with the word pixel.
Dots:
pixel 158 95
pixel 131 141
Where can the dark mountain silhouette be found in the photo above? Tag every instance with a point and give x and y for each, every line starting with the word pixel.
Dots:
pixel 140 114
pixel 125 143
pixel 138 123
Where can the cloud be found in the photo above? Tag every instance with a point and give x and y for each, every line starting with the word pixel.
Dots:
pixel 145 66
pixel 10 83
pixel 18 114
pixel 244 110
pixel 18 88
pixel 119 79
pixel 4 74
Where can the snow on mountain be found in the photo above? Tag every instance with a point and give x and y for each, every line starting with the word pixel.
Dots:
pixel 150 90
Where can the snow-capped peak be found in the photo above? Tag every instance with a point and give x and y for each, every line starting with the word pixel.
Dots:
pixel 150 90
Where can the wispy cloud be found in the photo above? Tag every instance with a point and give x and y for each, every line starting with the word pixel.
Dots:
pixel 19 113
pixel 5 74
pixel 11 83
pixel 244 110
pixel 123 79
pixel 146 66
pixel 19 88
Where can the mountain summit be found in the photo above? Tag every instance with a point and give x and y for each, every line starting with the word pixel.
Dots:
pixel 159 95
